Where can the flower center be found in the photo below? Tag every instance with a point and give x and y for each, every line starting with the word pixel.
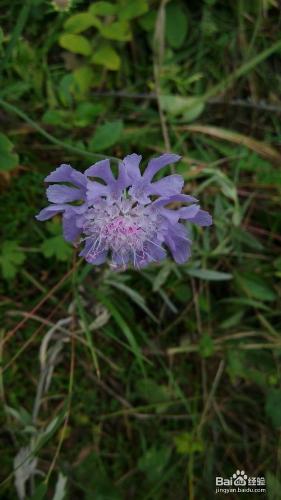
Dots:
pixel 123 228
pixel 123 231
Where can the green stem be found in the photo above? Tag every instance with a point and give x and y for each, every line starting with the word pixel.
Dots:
pixel 13 109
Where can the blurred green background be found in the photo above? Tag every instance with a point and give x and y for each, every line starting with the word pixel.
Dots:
pixel 141 385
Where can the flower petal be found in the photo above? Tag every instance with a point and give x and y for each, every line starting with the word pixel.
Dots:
pixel 182 213
pixel 179 244
pixel 102 170
pixel 70 229
pixel 155 252
pixel 131 164
pixel 120 259
pixel 66 173
pixel 156 164
pixel 95 190
pixel 97 259
pixel 121 183
pixel 185 198
pixel 202 218
pixel 92 256
pixel 140 191
pixel 168 186
pixel 58 193
pixel 79 179
pixel 50 211
pixel 188 213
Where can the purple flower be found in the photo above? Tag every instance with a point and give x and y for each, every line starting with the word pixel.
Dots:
pixel 128 218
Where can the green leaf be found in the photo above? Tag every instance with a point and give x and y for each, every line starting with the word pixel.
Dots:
pixel 119 30
pixel 243 301
pixel 66 89
pixel 187 444
pixel 8 160
pixel 272 176
pixel 56 117
pixel 152 392
pixel 1 37
pixel 83 77
pixel 93 480
pixel 246 238
pixel 273 486
pixel 153 462
pixel 106 135
pixel 77 44
pixel 87 112
pixel 176 24
pixel 135 296
pixel 182 292
pixel 162 276
pixel 11 258
pixel 40 492
pixel 189 107
pixel 255 286
pixel 194 111
pixel 273 406
pixel 147 22
pixel 46 434
pixel 81 22
pixel 209 275
pixel 132 9
pixel 56 247
pixel 236 364
pixel 206 346
pixel 232 320
pixel 5 143
pixel 103 8
pixel 107 57
pixel 125 329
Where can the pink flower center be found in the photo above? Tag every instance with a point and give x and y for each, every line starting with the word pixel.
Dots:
pixel 120 226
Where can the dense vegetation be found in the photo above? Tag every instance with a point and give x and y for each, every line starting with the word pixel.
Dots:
pixel 142 384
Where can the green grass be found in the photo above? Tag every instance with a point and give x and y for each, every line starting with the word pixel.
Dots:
pixel 142 385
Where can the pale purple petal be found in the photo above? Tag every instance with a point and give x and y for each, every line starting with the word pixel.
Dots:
pixel 78 179
pixel 184 198
pixel 65 173
pixel 155 252
pixel 188 212
pixel 131 164
pixel 93 255
pixel 121 183
pixel 113 187
pixel 70 229
pixel 50 211
pixel 102 170
pixel 120 259
pixel 167 186
pixel 178 243
pixel 97 259
pixel 140 191
pixel 58 193
pixel 156 164
pixel 182 213
pixel 202 218
pixel 61 174
pixel 96 190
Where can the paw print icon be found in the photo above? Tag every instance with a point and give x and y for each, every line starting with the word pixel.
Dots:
pixel 240 478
